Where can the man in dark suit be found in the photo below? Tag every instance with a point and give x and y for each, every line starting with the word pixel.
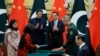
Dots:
pixel 40 25
pixel 56 28
pixel 70 47
pixel 83 48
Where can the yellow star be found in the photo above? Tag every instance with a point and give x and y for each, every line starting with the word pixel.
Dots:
pixel 14 6
pixel 54 8
pixel 24 4
pixel 64 5
pixel 19 7
pixel 95 8
pixel 59 9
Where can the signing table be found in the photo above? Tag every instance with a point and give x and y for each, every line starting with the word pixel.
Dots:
pixel 46 53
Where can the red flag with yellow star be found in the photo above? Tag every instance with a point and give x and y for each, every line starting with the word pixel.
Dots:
pixel 18 12
pixel 94 25
pixel 59 6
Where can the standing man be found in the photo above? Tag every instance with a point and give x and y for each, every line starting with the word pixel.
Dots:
pixel 83 48
pixel 70 47
pixel 56 28
pixel 40 25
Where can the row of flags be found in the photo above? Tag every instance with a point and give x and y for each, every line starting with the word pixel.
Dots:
pixel 89 28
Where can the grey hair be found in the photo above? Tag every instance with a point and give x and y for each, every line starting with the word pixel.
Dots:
pixel 66 18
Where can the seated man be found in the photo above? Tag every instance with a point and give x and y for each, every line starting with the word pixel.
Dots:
pixel 83 48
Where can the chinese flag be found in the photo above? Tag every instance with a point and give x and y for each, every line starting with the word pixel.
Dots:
pixel 94 26
pixel 19 13
pixel 59 6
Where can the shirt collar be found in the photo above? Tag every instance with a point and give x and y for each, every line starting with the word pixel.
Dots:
pixel 56 20
pixel 81 45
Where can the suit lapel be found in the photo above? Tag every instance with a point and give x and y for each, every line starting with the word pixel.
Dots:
pixel 58 23
pixel 52 23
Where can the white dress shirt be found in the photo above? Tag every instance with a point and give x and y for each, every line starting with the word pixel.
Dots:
pixel 81 45
pixel 55 23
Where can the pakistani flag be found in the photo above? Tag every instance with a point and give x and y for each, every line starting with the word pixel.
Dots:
pixel 3 20
pixel 80 19
pixel 38 4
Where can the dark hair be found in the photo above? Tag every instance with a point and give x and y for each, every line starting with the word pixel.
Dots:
pixel 28 29
pixel 56 13
pixel 11 24
pixel 39 11
pixel 82 37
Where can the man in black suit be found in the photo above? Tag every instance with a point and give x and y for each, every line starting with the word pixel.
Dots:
pixel 56 28
pixel 83 48
pixel 40 25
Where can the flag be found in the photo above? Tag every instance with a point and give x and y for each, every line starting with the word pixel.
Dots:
pixel 59 6
pixel 3 20
pixel 94 25
pixel 80 19
pixel 38 4
pixel 46 1
pixel 18 12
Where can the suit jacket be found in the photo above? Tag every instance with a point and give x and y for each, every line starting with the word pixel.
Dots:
pixel 70 45
pixel 56 38
pixel 38 34
pixel 84 51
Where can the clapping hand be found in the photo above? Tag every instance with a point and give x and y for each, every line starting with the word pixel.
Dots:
pixel 37 25
pixel 55 28
pixel 41 26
